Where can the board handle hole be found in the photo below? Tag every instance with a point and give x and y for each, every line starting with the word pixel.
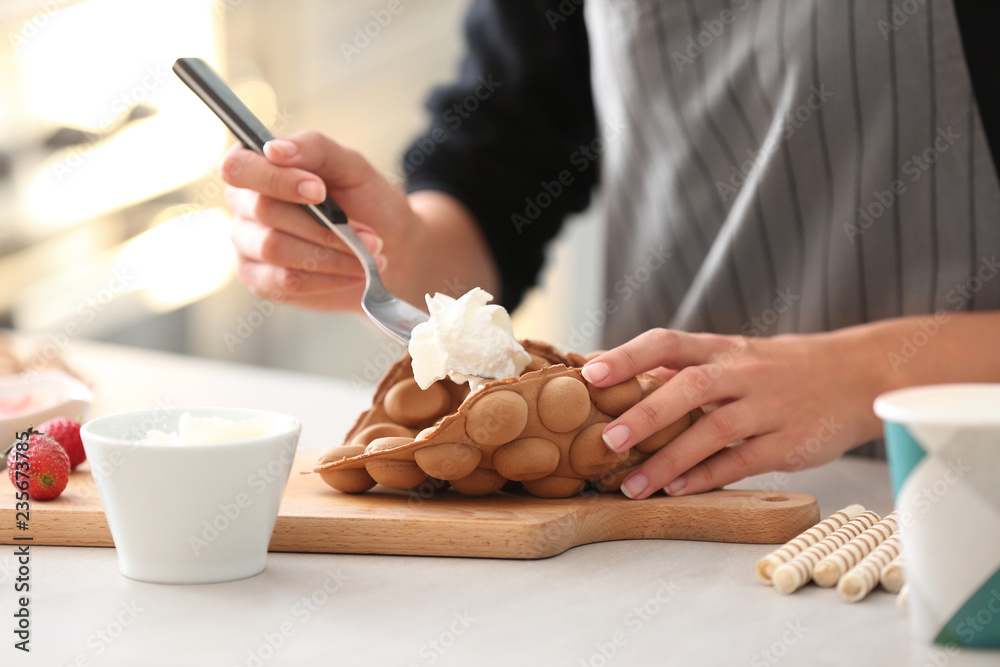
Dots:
pixel 775 499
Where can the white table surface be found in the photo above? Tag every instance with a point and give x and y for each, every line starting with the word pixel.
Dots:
pixel 648 602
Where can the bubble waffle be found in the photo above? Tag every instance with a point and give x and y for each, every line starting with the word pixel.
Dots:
pixel 542 430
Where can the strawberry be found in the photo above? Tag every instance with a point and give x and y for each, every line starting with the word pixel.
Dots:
pixel 46 464
pixel 67 433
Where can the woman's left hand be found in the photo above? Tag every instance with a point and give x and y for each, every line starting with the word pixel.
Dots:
pixel 781 403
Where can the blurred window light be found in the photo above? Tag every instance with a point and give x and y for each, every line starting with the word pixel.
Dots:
pixel 93 60
pixel 182 259
pixel 88 67
pixel 186 257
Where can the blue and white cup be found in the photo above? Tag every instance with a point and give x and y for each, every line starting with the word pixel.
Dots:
pixel 943 444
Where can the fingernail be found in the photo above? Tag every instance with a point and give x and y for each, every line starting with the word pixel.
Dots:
pixel 282 147
pixel 312 191
pixel 371 240
pixel 595 371
pixel 381 261
pixel 616 437
pixel 635 485
pixel 676 486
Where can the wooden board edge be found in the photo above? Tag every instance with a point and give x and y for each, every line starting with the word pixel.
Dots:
pixel 48 531
pixel 542 538
pixel 779 516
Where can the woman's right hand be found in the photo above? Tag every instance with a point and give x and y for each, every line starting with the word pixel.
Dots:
pixel 283 254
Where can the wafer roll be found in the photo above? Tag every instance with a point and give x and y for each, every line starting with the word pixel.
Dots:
pixel 829 570
pixel 768 564
pixel 892 576
pixel 795 574
pixel 863 578
pixel 903 599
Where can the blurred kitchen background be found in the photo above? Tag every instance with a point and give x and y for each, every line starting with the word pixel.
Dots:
pixel 113 225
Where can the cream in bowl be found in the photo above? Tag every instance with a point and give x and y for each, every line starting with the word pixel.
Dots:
pixel 191 495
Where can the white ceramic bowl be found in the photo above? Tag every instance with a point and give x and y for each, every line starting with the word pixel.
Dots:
pixel 189 513
pixel 44 395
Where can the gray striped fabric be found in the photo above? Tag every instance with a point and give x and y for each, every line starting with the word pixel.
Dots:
pixel 789 165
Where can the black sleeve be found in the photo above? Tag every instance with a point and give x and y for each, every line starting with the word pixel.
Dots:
pixel 505 139
pixel 977 22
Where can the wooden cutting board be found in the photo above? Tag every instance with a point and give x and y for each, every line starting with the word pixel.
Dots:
pixel 315 518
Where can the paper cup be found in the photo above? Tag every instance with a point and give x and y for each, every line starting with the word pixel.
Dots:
pixel 943 444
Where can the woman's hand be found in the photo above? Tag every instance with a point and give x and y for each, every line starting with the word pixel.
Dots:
pixel 283 254
pixel 782 403
pixel 424 243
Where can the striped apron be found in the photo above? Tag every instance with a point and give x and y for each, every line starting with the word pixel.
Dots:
pixel 821 158
pixel 778 166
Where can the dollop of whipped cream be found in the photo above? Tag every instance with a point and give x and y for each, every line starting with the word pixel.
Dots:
pixel 193 430
pixel 465 340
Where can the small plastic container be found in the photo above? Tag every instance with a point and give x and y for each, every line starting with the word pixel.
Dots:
pixel 33 397
pixel 183 513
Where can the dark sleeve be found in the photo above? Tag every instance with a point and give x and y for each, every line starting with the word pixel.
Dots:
pixel 505 138
pixel 977 22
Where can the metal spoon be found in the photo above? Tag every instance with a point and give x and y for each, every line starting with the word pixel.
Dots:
pixel 390 313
